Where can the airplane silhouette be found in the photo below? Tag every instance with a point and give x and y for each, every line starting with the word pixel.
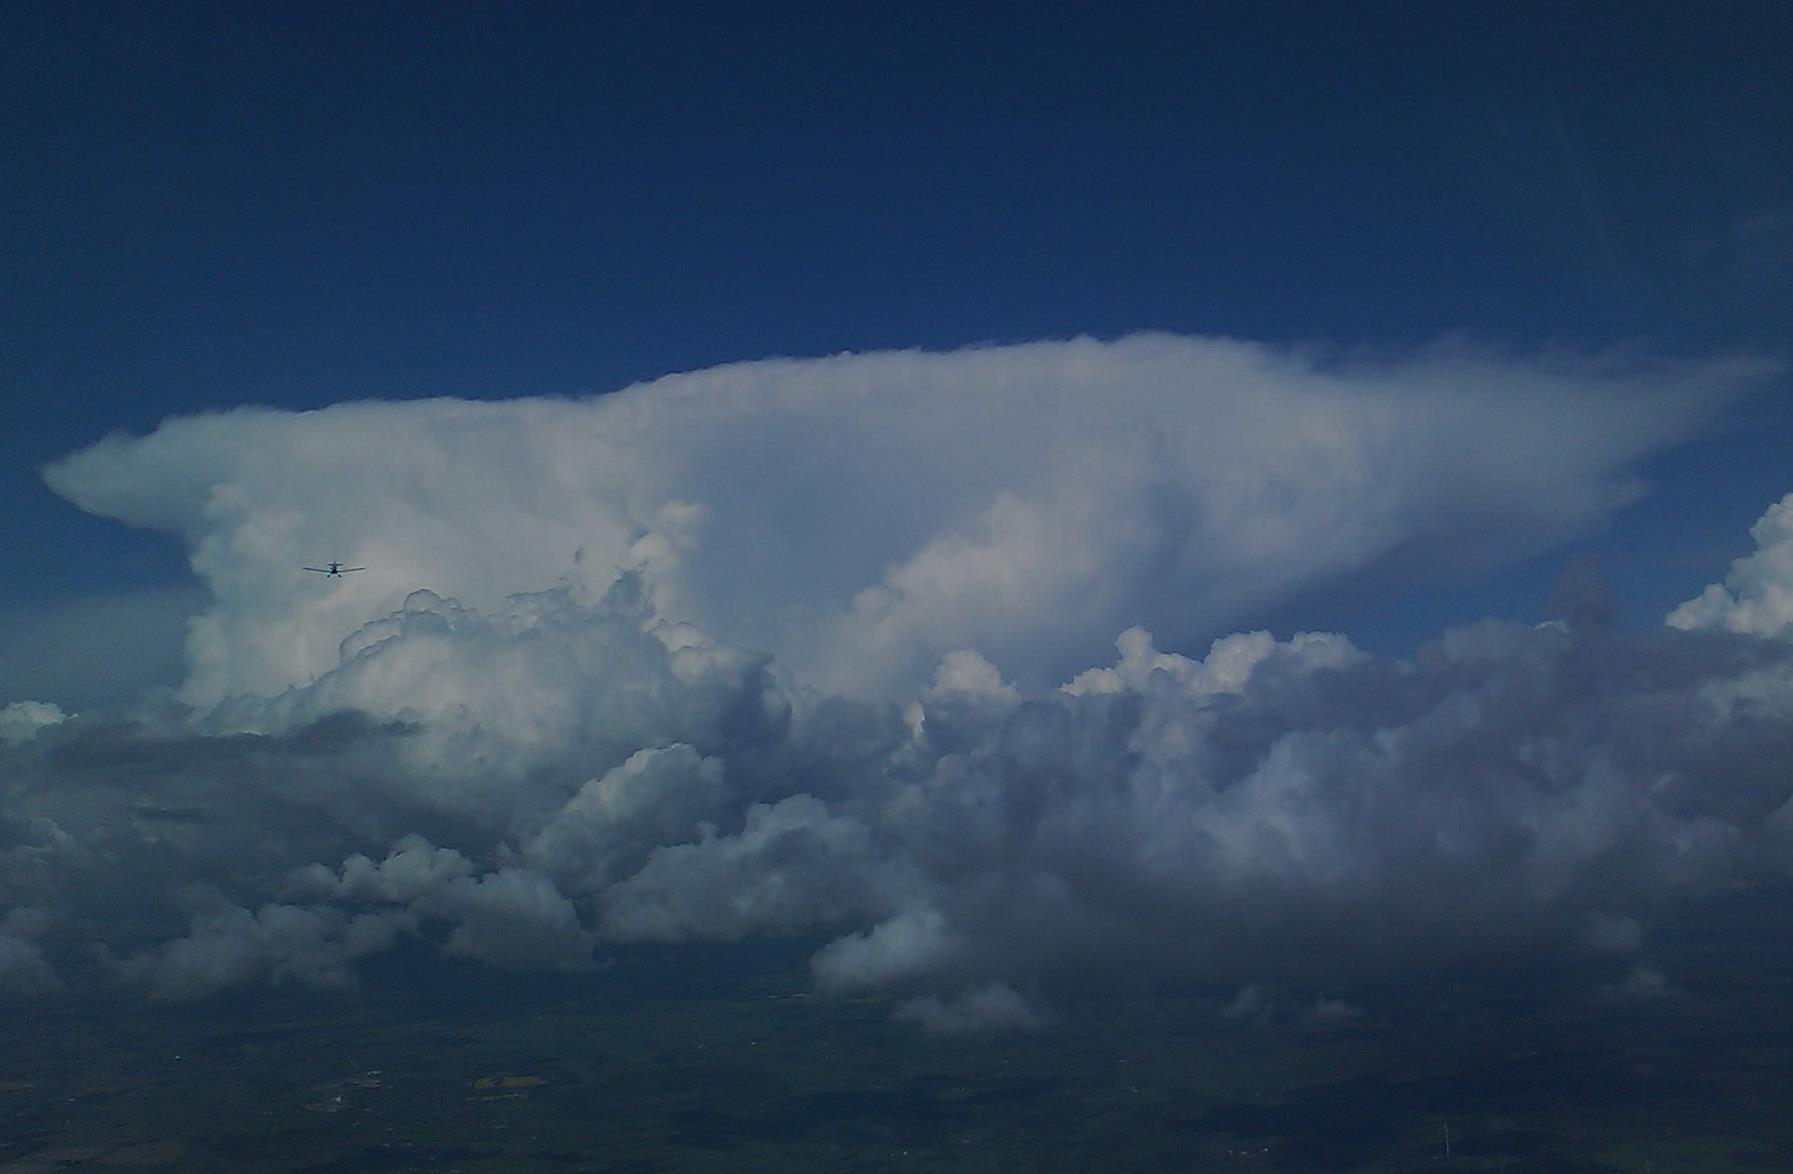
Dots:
pixel 335 570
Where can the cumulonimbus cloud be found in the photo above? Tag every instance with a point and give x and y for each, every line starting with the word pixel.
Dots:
pixel 861 515
pixel 810 649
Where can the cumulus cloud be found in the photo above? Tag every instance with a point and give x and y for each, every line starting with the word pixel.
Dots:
pixel 1249 1005
pixel 20 721
pixel 794 866
pixel 415 868
pixel 821 650
pixel 228 946
pixel 1278 810
pixel 1344 814
pixel 913 944
pixel 995 1007
pixel 510 917
pixel 23 971
pixel 606 831
pixel 1757 594
pixel 513 919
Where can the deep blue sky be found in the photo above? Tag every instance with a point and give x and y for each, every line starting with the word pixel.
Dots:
pixel 209 205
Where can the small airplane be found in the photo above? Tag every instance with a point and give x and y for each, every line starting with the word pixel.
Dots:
pixel 335 570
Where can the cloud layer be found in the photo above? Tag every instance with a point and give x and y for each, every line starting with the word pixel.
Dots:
pixel 829 650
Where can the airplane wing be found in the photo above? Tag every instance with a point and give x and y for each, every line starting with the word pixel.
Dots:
pixel 319 570
pixel 346 570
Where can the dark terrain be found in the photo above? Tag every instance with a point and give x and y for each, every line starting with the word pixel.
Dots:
pixel 719 1060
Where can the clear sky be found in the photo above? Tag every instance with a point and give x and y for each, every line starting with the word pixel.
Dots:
pixel 1010 496
pixel 212 205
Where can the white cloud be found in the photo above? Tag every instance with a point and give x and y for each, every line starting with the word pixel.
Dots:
pixel 510 917
pixel 914 943
pixel 20 721
pixel 1757 594
pixel 413 869
pixel 859 516
pixel 1228 665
